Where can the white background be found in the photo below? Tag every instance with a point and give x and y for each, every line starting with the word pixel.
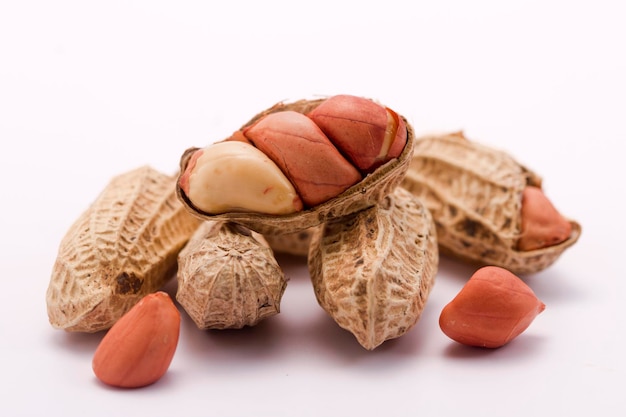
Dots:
pixel 92 89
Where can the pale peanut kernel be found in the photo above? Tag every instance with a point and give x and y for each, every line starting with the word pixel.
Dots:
pixel 235 176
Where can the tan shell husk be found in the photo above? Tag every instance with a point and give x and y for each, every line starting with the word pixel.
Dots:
pixel 373 270
pixel 228 277
pixel 366 193
pixel 474 193
pixel 121 248
pixel 296 243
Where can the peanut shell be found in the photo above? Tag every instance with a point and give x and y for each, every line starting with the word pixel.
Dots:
pixel 366 193
pixel 295 243
pixel 474 193
pixel 228 277
pixel 372 271
pixel 123 247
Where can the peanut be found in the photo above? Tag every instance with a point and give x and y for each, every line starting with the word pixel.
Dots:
pixel 304 154
pixel 121 248
pixel 138 349
pixel 228 277
pixel 474 193
pixel 542 225
pixel 366 192
pixel 235 176
pixel 493 308
pixel 368 133
pixel 373 270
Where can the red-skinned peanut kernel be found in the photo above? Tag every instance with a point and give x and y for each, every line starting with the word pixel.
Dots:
pixel 542 224
pixel 366 132
pixel 138 349
pixel 304 154
pixel 494 307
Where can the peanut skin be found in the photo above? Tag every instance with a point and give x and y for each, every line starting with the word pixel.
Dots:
pixel 367 133
pixel 138 349
pixel 542 224
pixel 305 155
pixel 493 308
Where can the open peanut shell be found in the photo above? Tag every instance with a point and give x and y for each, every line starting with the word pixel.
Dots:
pixel 366 193
pixel 474 193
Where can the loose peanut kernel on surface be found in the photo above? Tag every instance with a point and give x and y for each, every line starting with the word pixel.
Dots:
pixel 235 176
pixel 542 224
pixel 138 349
pixel 493 308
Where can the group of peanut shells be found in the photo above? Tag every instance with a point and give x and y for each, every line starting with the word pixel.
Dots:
pixel 341 180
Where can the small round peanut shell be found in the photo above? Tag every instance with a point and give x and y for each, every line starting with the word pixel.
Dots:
pixel 228 277
pixel 366 193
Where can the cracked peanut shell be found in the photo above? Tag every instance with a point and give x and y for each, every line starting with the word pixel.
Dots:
pixel 123 247
pixel 372 271
pixel 228 277
pixel 474 193
pixel 366 193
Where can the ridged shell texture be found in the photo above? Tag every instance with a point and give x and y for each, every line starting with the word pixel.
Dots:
pixel 121 248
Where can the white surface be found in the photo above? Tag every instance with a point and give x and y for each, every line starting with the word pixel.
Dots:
pixel 89 91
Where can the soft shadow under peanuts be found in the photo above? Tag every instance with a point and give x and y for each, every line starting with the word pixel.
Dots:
pixel 324 335
pixel 248 343
pixel 453 268
pixel 170 287
pixel 524 346
pixel 166 383
pixel 78 342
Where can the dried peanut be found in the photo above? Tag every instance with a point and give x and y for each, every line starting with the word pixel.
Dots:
pixel 368 133
pixel 373 270
pixel 228 277
pixel 138 349
pixel 541 224
pixel 474 193
pixel 304 154
pixel 365 193
pixel 121 248
pixel 493 308
pixel 236 176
